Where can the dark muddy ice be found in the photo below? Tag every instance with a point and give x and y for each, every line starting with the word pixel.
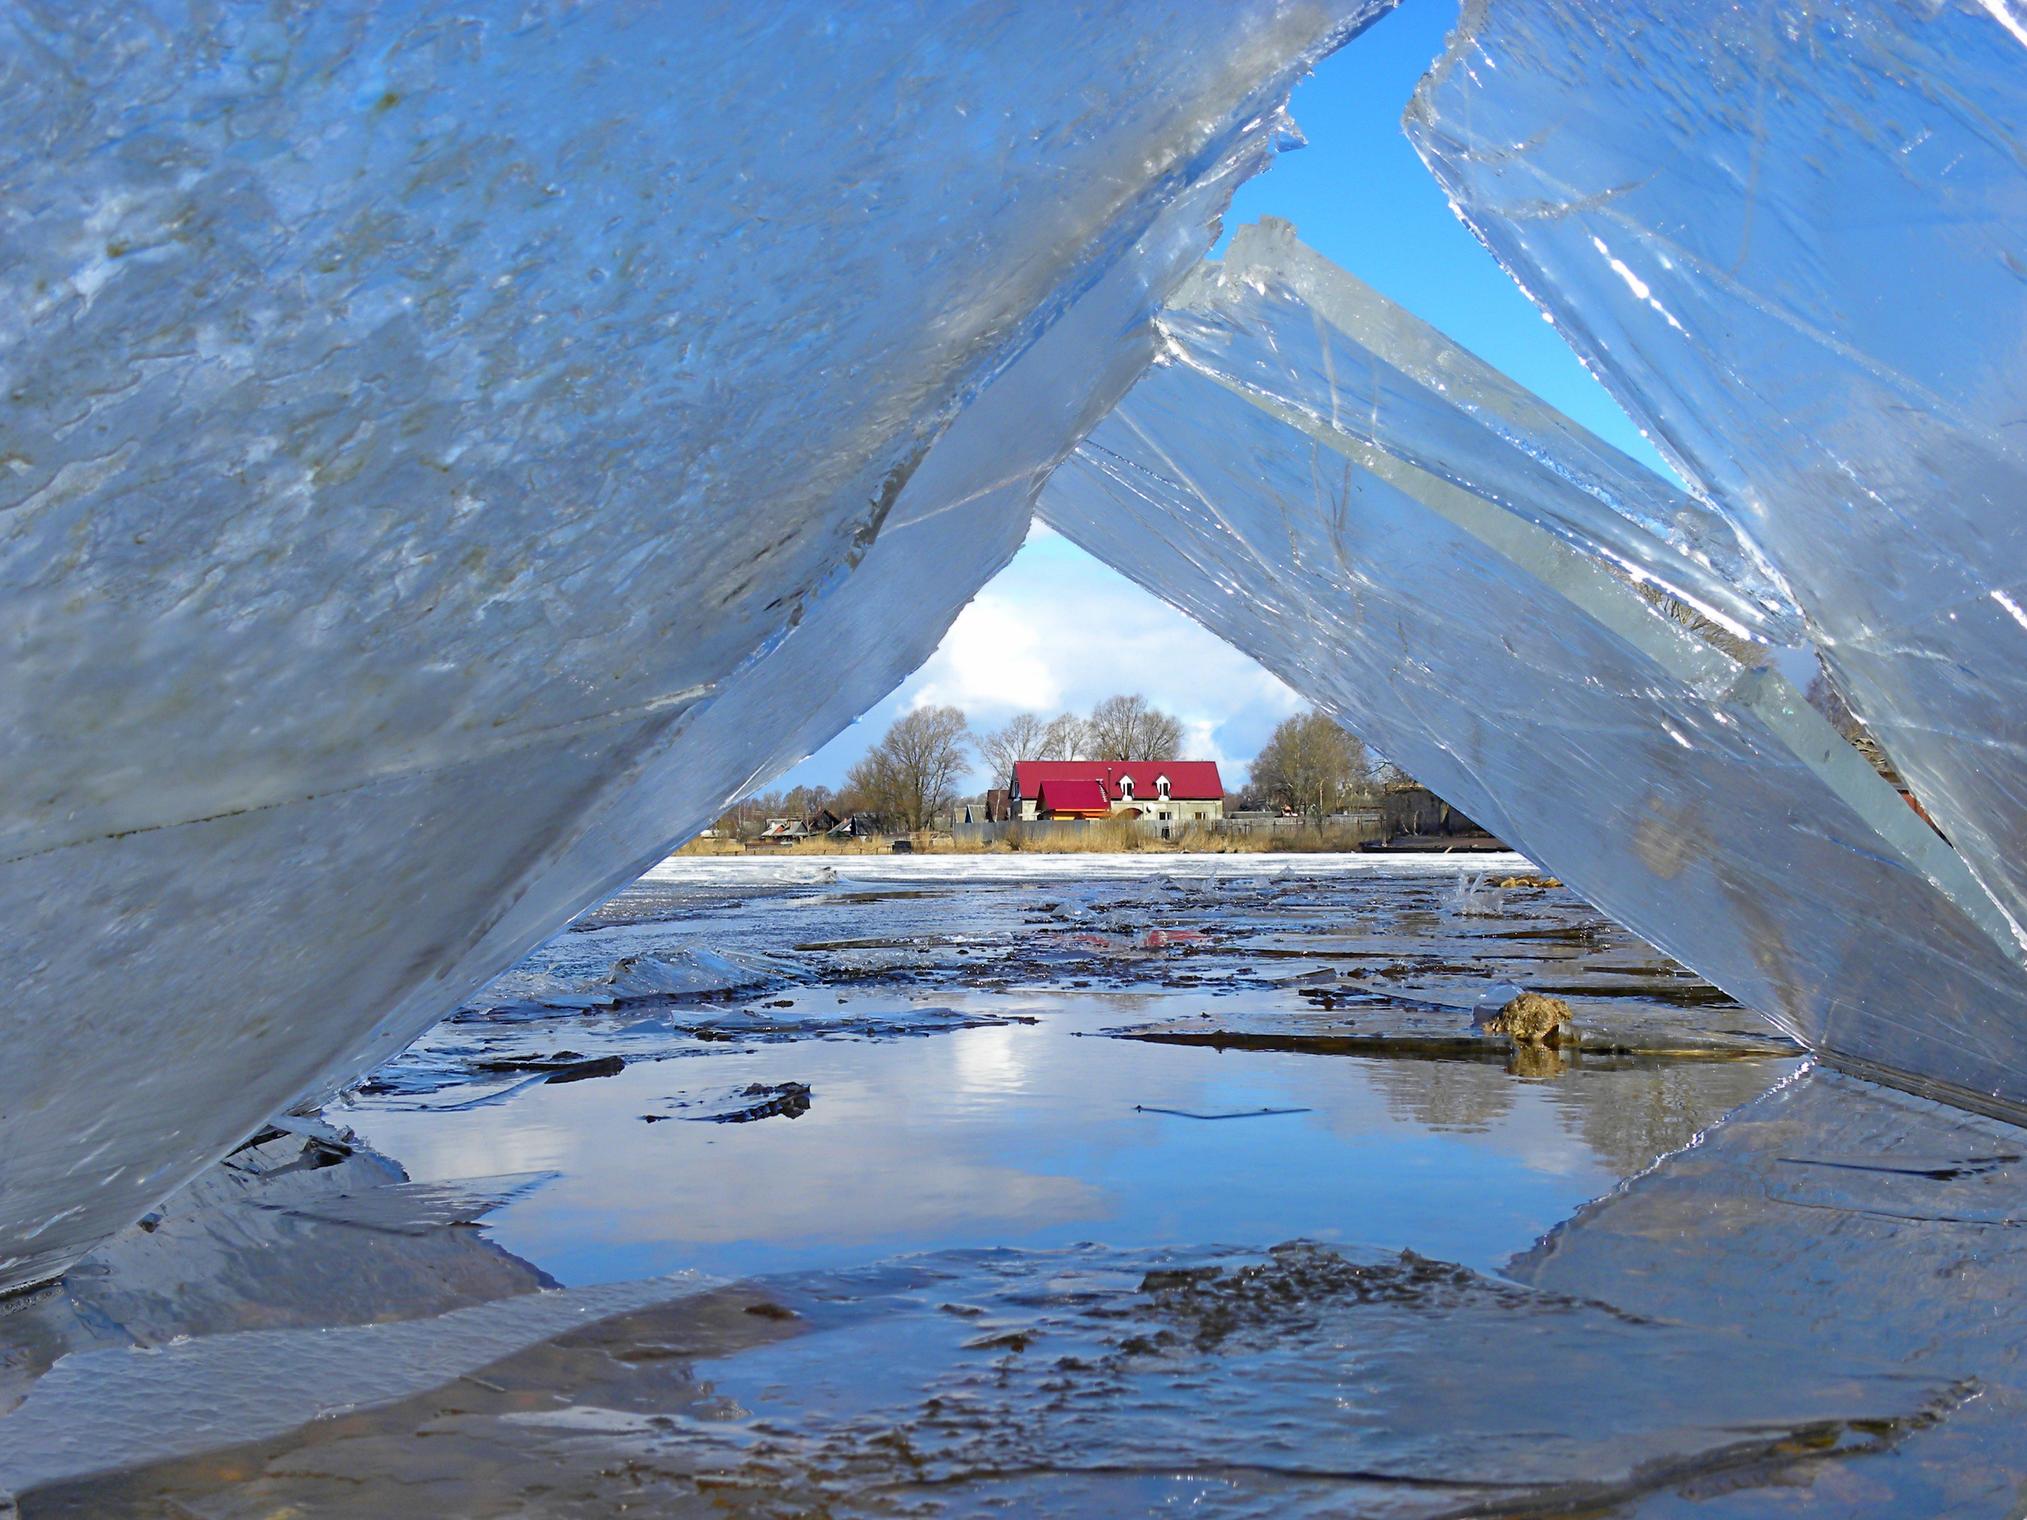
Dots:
pixel 1064 1186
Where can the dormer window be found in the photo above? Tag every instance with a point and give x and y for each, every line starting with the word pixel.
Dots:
pixel 1126 787
pixel 1161 786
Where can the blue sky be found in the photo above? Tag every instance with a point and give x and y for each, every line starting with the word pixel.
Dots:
pixel 1359 195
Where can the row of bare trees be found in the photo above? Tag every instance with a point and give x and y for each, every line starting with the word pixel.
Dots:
pixel 1124 727
pixel 1310 764
pixel 916 769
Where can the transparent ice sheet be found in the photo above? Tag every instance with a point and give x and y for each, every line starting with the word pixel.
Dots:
pixel 427 427
pixel 1792 240
pixel 1262 477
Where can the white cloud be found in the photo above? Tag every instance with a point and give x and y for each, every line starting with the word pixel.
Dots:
pixel 1200 740
pixel 993 662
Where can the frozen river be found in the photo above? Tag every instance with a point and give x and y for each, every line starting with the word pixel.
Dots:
pixel 1058 1185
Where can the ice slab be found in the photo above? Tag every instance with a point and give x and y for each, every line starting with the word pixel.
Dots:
pixel 450 456
pixel 1378 1024
pixel 1827 1216
pixel 278 1235
pixel 1303 1380
pixel 1791 240
pixel 100 1409
pixel 679 972
pixel 1480 626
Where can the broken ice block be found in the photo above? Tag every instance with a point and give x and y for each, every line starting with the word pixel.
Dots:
pixel 1792 240
pixel 1513 653
pixel 419 426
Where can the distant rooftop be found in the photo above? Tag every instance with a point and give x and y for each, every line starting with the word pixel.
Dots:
pixel 1188 780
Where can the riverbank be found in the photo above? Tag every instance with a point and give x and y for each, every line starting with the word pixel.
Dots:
pixel 1120 839
pixel 940 1187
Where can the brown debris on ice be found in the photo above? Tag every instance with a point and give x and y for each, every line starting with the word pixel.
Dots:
pixel 1533 1019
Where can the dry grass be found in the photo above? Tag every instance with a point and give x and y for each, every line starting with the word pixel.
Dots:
pixel 1101 839
pixel 880 844
pixel 1301 842
pixel 712 847
pixel 1124 838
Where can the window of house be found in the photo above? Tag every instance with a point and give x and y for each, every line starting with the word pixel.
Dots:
pixel 1126 787
pixel 1161 785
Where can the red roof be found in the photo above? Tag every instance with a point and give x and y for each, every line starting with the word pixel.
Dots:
pixel 1188 780
pixel 1071 794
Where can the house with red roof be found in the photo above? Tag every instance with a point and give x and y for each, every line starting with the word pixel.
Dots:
pixel 1152 791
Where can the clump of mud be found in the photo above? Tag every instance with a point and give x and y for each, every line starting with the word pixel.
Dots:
pixel 1294 1287
pixel 766 1100
pixel 1533 1019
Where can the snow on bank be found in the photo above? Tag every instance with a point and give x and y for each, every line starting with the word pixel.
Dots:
pixel 769 870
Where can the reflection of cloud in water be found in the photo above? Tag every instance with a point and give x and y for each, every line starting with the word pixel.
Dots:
pixel 1631 1125
pixel 888 1151
pixel 443 1152
pixel 1626 1120
pixel 1467 1096
pixel 879 1186
pixel 989 1060
pixel 1621 1120
pixel 1531 1135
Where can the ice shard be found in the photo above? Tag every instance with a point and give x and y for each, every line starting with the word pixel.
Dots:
pixel 1792 239
pixel 447 457
pixel 1564 649
pixel 427 429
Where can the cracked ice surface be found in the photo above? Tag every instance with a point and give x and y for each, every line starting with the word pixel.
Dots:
pixel 427 432
pixel 1792 240
pixel 1274 477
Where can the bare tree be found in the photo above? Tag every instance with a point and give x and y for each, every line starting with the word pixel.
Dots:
pixel 1160 737
pixel 1311 765
pixel 911 775
pixel 1024 736
pixel 1386 774
pixel 1066 738
pixel 749 815
pixel 1126 728
pixel 869 783
pixel 1827 698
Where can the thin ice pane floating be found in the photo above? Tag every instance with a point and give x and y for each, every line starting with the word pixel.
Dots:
pixel 422 429
pixel 1307 472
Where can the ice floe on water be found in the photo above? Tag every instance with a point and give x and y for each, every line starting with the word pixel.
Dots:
pixel 1257 1221
pixel 444 545
pixel 369 684
pixel 402 549
pixel 677 973
pixel 1176 869
pixel 1298 1380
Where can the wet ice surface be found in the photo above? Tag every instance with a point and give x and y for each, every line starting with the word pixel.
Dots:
pixel 814 1188
pixel 623 585
pixel 1009 1121
pixel 1316 472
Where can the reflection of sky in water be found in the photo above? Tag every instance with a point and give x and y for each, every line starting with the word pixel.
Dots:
pixel 1040 1136
pixel 1028 1136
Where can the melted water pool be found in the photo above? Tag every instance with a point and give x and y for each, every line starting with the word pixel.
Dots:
pixel 1025 1186
pixel 1037 1133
